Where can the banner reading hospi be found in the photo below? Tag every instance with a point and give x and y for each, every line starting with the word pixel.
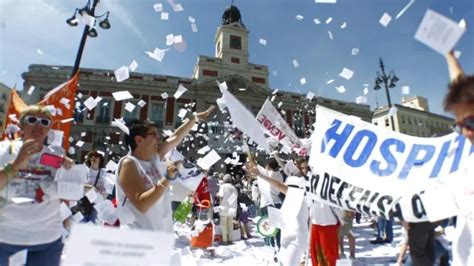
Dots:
pixel 359 166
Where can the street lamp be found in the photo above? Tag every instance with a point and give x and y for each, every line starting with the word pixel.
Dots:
pixel 89 10
pixel 389 82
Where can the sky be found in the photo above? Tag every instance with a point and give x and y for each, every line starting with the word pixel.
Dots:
pixel 35 32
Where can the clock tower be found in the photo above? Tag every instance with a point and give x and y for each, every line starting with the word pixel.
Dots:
pixel 231 39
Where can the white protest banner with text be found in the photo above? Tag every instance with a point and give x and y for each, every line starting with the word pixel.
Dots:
pixel 362 167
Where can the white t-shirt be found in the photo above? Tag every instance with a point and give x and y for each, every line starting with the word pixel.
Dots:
pixel 91 179
pixel 321 214
pixel 273 191
pixel 38 221
pixel 228 204
pixel 160 216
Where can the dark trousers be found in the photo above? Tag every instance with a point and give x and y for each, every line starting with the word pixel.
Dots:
pixel 42 254
pixel 421 242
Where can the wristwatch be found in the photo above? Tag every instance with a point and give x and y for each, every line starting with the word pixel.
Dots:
pixel 171 178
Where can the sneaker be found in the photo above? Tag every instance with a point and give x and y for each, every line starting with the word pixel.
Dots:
pixel 376 241
pixel 387 241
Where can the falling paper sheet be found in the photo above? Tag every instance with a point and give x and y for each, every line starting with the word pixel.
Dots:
pixel 158 7
pixel 158 54
pixel 263 41
pixel 122 95
pixel 30 90
pixel 341 89
pixel 317 21
pixel 328 20
pixel 178 39
pixel 330 81
pixel 310 96
pixel 355 51
pixel 295 63
pixel 325 1
pixel 330 35
pixel 177 7
pixel 462 23
pixel 121 126
pixel 366 91
pixel 405 90
pixel 169 39
pixel 129 107
pixel 121 74
pixel 133 66
pixel 344 25
pixel 191 20
pixel 164 16
pixel 405 9
pixel 303 81
pixel 114 246
pixel 346 73
pixel 438 32
pixel 141 103
pixel 180 91
pixel 209 160
pixel 361 100
pixel 164 95
pixel 299 17
pixel 90 103
pixel 385 19
pixel 55 137
pixel 392 111
pixel 88 19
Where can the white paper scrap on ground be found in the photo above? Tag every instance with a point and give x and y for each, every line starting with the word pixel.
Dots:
pixel 438 32
pixel 122 95
pixel 121 74
pixel 346 73
pixel 114 246
pixel 209 160
pixel 405 90
pixel 385 19
pixel 19 258
pixel 180 91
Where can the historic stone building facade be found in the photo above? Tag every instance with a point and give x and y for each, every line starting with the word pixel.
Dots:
pixel 248 82
pixel 5 92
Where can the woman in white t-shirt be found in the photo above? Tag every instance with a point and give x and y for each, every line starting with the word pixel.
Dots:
pixel 293 244
pixel 29 206
pixel 141 188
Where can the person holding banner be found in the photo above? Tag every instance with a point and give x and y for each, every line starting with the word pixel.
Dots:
pixel 29 208
pixel 141 188
pixel 460 101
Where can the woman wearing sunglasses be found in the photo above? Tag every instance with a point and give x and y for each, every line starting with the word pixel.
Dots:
pixel 29 210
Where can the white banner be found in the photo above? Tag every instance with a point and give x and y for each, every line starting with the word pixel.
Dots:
pixel 274 125
pixel 365 168
pixel 243 118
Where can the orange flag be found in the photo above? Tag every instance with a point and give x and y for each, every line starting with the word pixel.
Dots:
pixel 15 106
pixel 62 98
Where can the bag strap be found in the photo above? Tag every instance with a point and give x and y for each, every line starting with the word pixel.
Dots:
pixel 335 215
pixel 97 177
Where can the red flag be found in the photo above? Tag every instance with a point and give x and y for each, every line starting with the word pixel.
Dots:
pixel 15 106
pixel 202 198
pixel 67 91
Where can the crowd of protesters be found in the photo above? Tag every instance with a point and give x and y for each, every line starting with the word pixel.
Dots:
pixel 143 189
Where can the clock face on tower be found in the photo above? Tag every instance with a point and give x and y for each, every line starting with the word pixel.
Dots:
pixel 235 42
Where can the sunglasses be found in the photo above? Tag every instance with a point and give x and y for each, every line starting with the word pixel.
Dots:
pixel 467 123
pixel 31 120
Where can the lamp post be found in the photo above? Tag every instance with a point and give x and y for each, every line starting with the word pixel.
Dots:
pixel 389 82
pixel 88 12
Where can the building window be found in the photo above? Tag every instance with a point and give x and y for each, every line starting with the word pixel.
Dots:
pixel 409 120
pixel 79 111
pixel 387 122
pixel 258 80
pixel 375 123
pixel 235 60
pixel 403 119
pixel 157 113
pixel 298 125
pixel 235 42
pixel 127 115
pixel 210 73
pixel 2 108
pixel 103 116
